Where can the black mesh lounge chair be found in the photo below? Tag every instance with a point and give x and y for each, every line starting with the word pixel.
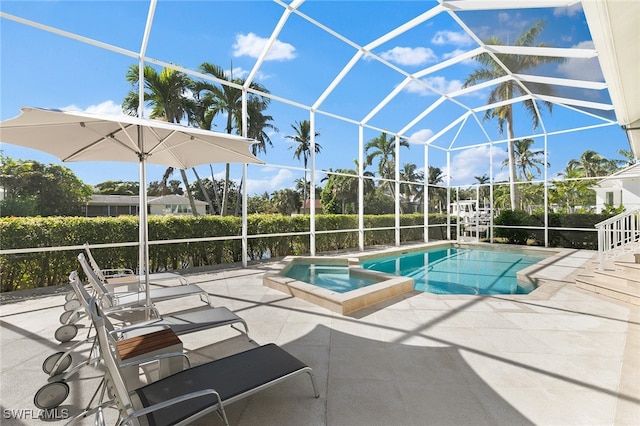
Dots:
pixel 112 299
pixel 190 394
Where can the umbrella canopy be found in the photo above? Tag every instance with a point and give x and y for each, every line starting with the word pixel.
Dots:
pixel 77 136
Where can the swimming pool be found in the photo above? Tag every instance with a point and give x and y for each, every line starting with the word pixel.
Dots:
pixel 454 270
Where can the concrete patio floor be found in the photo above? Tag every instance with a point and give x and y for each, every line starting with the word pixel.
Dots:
pixel 559 356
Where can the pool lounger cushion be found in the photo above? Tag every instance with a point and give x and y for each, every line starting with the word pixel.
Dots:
pixel 233 377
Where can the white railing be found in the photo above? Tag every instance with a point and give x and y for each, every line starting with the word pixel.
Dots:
pixel 617 234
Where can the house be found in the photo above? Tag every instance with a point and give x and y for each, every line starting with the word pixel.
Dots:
pixel 175 204
pixel 620 189
pixel 116 205
pixel 306 206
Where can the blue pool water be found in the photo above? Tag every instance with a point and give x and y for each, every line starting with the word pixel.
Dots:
pixel 459 270
pixel 332 277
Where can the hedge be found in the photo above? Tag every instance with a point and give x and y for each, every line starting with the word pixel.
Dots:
pixel 566 238
pixel 51 268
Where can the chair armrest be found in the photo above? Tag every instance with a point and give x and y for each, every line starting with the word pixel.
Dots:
pixel 136 326
pixel 170 402
pixel 117 272
pixel 157 358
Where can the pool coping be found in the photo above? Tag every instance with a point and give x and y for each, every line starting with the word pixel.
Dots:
pixel 540 274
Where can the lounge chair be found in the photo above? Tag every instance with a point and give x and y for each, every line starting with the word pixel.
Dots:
pixel 112 299
pixel 179 322
pixel 53 394
pixel 123 276
pixel 190 394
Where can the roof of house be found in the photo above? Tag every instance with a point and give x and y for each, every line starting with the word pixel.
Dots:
pixel 628 173
pixel 114 200
pixel 173 199
pixel 133 200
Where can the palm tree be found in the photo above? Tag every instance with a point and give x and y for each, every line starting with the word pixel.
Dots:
pixel 385 148
pixel 482 193
pixel 259 123
pixel 590 163
pixel 343 187
pixel 411 192
pixel 628 159
pixel 303 148
pixel 286 201
pixel 225 99
pixel 517 64
pixel 572 190
pixel 435 177
pixel 166 92
pixel 525 159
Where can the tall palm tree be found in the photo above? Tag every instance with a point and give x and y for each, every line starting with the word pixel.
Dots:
pixel 385 149
pixel 227 100
pixel 302 138
pixel 517 64
pixel 166 93
pixel 525 159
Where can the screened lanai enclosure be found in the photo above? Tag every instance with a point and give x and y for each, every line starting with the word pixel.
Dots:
pixel 448 112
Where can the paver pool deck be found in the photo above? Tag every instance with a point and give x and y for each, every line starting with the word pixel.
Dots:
pixel 558 356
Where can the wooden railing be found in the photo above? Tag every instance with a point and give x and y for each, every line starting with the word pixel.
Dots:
pixel 618 234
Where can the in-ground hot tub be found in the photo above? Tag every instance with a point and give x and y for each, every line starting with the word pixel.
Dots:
pixel 338 284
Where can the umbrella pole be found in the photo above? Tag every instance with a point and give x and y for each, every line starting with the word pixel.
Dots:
pixel 143 224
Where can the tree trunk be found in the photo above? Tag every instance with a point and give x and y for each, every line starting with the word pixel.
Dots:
pixel 204 190
pixel 216 194
pixel 513 188
pixel 225 194
pixel 239 199
pixel 194 210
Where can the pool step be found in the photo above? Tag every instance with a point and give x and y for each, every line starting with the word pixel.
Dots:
pixel 619 280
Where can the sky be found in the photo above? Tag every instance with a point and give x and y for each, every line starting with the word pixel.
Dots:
pixel 42 69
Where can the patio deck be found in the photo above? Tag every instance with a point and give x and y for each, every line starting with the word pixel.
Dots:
pixel 560 355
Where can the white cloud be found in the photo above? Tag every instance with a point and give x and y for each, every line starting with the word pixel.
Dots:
pixel 569 10
pixel 252 45
pixel 458 38
pixel 284 178
pixel 409 55
pixel 472 162
pixel 420 136
pixel 440 84
pixel 239 72
pixel 581 69
pixel 503 17
pixel 105 108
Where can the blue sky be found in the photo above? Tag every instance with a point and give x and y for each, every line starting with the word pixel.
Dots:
pixel 41 69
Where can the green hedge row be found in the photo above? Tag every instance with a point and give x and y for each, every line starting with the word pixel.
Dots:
pixel 587 239
pixel 32 270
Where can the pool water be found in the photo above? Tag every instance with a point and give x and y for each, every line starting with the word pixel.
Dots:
pixel 332 277
pixel 459 270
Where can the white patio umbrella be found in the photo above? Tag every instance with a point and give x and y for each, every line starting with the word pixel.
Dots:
pixel 77 136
